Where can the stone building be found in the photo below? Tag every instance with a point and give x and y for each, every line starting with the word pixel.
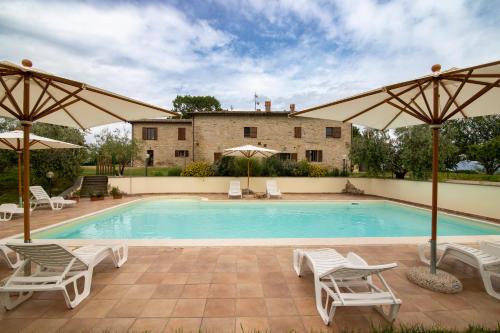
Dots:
pixel 176 142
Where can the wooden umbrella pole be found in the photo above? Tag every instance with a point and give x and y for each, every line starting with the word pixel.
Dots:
pixel 435 166
pixel 248 175
pixel 19 177
pixel 26 157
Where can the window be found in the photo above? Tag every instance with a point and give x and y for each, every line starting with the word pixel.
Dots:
pixel 333 132
pixel 182 153
pixel 297 131
pixel 150 133
pixel 288 156
pixel 181 133
pixel 217 156
pixel 250 132
pixel 151 157
pixel 314 155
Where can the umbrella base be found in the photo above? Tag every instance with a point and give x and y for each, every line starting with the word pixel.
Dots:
pixel 442 281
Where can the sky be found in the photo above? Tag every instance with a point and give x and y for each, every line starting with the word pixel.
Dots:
pixel 305 52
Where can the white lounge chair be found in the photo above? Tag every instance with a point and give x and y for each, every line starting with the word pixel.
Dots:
pixel 333 272
pixel 8 210
pixel 6 255
pixel 42 198
pixel 57 269
pixel 234 189
pixel 272 190
pixel 486 259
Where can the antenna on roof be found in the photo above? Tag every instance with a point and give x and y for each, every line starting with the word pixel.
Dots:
pixel 255 101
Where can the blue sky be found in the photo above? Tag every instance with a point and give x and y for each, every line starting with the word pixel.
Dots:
pixel 289 51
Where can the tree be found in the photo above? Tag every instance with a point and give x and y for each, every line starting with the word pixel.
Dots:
pixel 373 150
pixel 185 105
pixel 472 131
pixel 117 146
pixel 488 154
pixel 415 146
pixel 7 157
pixel 65 163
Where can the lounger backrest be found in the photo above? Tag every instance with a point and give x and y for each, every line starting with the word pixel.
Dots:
pixel 39 193
pixel 49 255
pixel 347 272
pixel 272 185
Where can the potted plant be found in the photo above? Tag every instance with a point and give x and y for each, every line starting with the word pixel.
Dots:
pixel 75 196
pixel 95 196
pixel 116 193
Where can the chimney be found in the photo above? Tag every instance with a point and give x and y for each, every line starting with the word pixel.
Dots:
pixel 292 108
pixel 268 106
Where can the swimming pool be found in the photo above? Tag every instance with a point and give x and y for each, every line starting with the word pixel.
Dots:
pixel 197 219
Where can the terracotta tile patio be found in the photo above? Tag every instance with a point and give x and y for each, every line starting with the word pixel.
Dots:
pixel 225 289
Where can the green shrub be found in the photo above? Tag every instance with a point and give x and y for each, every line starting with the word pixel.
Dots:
pixel 174 171
pixel 317 171
pixel 301 169
pixel 334 173
pixel 198 169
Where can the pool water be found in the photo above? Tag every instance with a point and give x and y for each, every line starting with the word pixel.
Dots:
pixel 195 219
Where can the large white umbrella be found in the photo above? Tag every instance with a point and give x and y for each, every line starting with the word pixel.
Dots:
pixel 14 140
pixel 432 99
pixel 30 95
pixel 249 151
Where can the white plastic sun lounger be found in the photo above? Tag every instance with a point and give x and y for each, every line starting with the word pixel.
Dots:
pixel 5 255
pixel 56 269
pixel 272 190
pixel 42 198
pixel 345 281
pixel 234 189
pixel 8 210
pixel 486 259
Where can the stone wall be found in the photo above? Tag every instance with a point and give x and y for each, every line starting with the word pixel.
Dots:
pixel 164 148
pixel 215 133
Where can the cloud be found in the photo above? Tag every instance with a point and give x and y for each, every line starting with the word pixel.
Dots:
pixel 291 51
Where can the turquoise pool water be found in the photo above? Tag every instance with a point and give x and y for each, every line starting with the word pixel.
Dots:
pixel 193 219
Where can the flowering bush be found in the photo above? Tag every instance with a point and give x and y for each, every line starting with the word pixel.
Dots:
pixel 198 169
pixel 317 170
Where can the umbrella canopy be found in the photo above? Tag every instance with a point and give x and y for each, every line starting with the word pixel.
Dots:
pixel 14 141
pixel 249 151
pixel 30 95
pixel 432 99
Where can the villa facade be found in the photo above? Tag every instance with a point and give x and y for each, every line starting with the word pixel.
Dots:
pixel 176 142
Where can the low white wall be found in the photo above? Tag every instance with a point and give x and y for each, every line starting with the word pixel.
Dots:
pixel 480 200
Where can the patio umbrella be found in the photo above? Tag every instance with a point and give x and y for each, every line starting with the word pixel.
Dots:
pixel 14 141
pixel 249 151
pixel 30 95
pixel 432 99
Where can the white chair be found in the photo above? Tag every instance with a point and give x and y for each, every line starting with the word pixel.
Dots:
pixel 486 259
pixel 42 198
pixel 5 255
pixel 56 269
pixel 272 189
pixel 345 281
pixel 8 210
pixel 234 189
